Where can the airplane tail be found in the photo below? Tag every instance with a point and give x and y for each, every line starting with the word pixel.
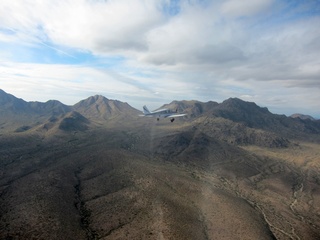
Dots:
pixel 145 110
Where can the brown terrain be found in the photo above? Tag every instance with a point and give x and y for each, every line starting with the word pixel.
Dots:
pixel 96 170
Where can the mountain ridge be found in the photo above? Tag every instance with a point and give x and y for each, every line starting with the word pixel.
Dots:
pixel 99 109
pixel 248 114
pixel 104 172
pixel 302 116
pixel 22 115
pixel 7 98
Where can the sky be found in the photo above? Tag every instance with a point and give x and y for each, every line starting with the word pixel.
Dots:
pixel 155 51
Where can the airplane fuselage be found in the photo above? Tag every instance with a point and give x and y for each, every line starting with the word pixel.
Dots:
pixel 161 113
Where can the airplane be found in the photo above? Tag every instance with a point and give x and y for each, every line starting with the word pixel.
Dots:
pixel 161 113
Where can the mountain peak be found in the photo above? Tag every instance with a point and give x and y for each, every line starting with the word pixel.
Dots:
pixel 74 121
pixel 242 107
pixel 238 110
pixel 192 108
pixel 93 99
pixel 6 97
pixel 9 101
pixel 99 97
pixel 100 107
pixel 302 116
pixel 239 103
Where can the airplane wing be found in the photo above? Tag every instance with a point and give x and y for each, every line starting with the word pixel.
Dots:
pixel 160 110
pixel 177 115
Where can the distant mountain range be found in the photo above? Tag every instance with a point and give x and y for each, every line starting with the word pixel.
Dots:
pixel 22 115
pixel 93 107
pixel 234 120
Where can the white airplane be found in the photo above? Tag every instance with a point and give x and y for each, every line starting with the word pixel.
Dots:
pixel 161 113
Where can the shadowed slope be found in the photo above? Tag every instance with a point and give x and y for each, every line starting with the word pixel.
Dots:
pixel 88 188
pixel 74 121
pixel 17 114
pixel 118 176
pixel 254 116
pixel 235 112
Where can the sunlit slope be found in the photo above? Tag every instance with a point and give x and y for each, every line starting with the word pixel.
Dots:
pixel 102 110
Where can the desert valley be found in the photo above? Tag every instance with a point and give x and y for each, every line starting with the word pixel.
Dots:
pixel 96 170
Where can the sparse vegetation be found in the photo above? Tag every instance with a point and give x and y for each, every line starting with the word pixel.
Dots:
pixel 120 177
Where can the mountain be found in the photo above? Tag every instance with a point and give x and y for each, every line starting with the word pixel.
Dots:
pixel 10 103
pixel 51 107
pixel 21 115
pixel 302 116
pixel 74 121
pixel 234 120
pixel 13 105
pixel 250 120
pixel 191 108
pixel 96 170
pixel 69 122
pixel 102 109
pixel 240 111
pixel 254 116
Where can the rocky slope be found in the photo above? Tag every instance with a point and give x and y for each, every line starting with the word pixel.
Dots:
pixel 97 171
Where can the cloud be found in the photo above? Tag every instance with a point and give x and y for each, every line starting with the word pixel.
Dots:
pixel 200 49
pixel 236 8
pixel 97 26
pixel 196 36
pixel 64 82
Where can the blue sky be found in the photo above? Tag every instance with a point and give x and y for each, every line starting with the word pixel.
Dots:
pixel 156 51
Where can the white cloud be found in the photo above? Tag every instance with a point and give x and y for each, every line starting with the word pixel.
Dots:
pixel 98 26
pixel 196 36
pixel 44 81
pixel 206 50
